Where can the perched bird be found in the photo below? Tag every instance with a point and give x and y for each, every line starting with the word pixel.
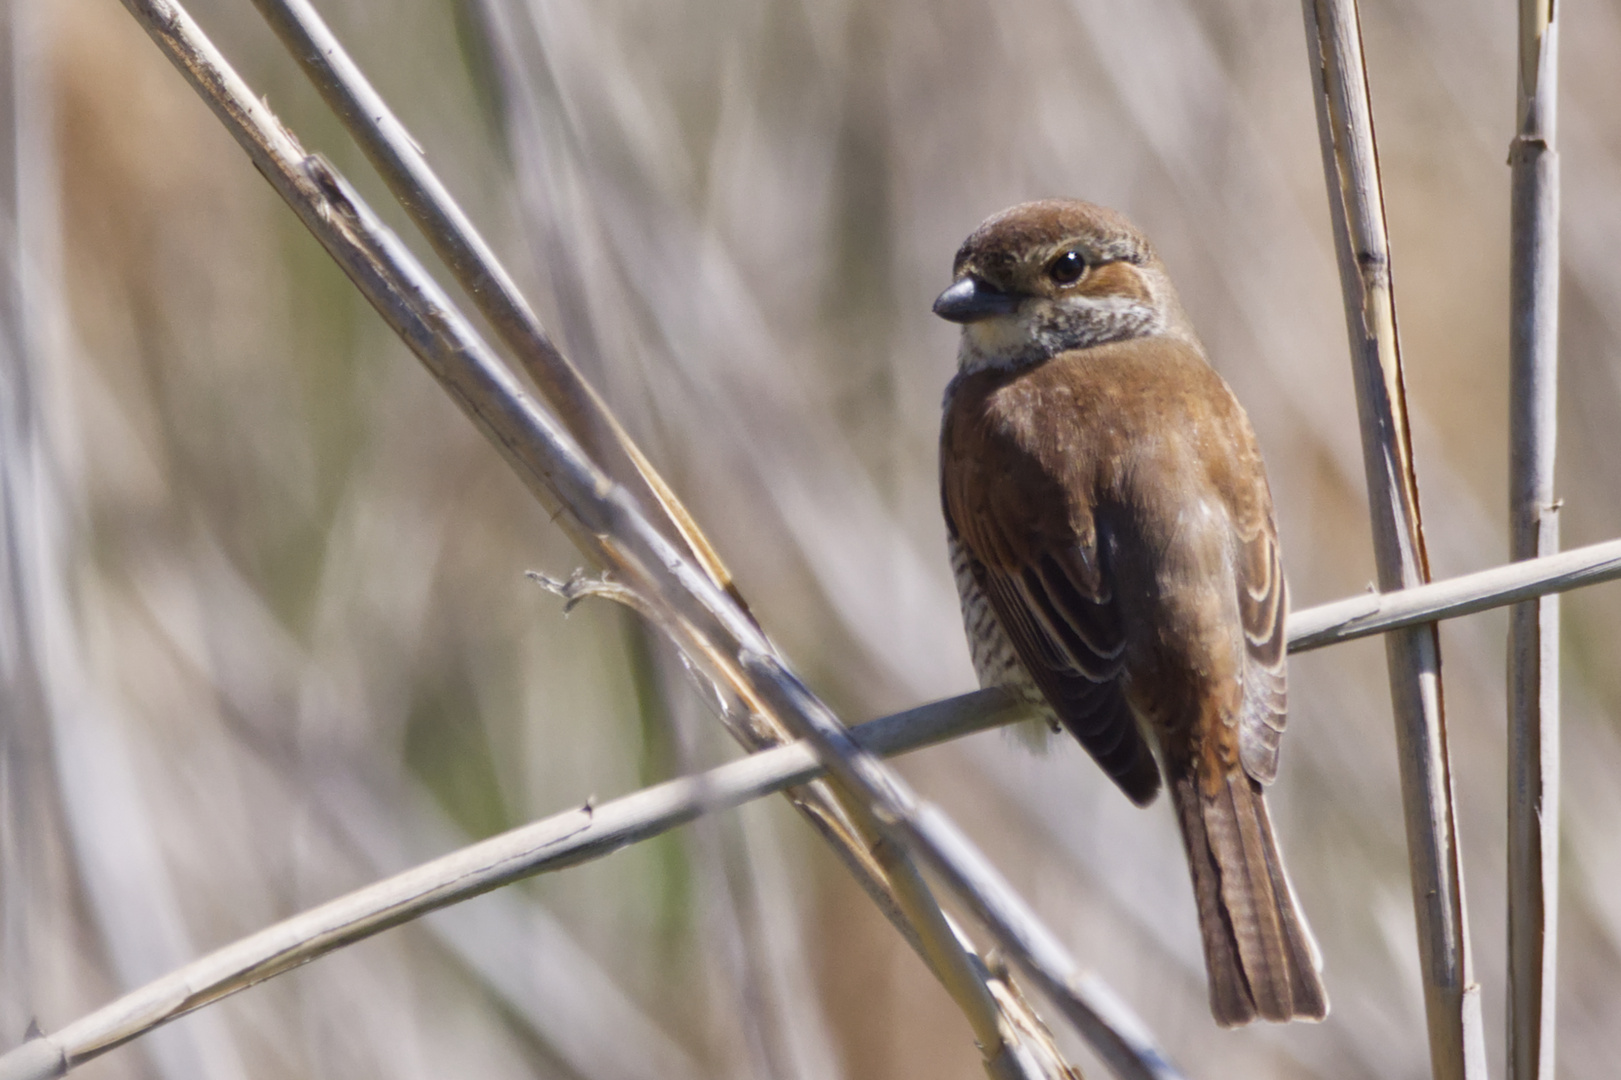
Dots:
pixel 1112 538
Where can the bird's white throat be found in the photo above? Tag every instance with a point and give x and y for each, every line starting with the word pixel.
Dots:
pixel 1042 329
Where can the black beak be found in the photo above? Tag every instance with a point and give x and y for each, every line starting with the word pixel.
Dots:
pixel 970 300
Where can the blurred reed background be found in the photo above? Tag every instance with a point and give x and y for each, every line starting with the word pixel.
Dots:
pixel 267 635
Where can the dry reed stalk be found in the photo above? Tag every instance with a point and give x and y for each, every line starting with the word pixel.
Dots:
pixel 1533 664
pixel 1376 613
pixel 1351 167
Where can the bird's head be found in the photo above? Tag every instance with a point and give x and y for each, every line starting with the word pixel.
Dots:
pixel 1045 277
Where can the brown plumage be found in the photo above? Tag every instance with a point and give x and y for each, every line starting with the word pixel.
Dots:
pixel 1112 536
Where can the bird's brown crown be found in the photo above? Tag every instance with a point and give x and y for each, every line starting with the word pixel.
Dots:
pixel 1046 277
pixel 1012 240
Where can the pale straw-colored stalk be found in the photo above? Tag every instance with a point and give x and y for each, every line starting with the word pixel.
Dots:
pixel 1356 202
pixel 1533 661
pixel 1375 613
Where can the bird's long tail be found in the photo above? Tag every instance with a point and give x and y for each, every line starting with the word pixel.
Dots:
pixel 1259 952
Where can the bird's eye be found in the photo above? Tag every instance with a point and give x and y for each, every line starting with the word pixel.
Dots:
pixel 1067 268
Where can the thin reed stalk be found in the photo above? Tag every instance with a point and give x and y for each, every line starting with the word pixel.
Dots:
pixel 1413 655
pixel 1533 663
pixel 1375 613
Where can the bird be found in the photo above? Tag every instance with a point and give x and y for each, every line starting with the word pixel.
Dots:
pixel 1112 536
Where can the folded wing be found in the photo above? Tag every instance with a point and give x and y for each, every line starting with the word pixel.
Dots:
pixel 1056 605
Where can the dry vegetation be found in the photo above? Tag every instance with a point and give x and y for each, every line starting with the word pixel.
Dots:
pixel 289 589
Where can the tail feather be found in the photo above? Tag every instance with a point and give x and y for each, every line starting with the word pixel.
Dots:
pixel 1259 953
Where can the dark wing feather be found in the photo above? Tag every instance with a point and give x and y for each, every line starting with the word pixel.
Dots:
pixel 1059 613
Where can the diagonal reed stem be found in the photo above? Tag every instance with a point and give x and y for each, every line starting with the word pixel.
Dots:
pixel 1351 167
